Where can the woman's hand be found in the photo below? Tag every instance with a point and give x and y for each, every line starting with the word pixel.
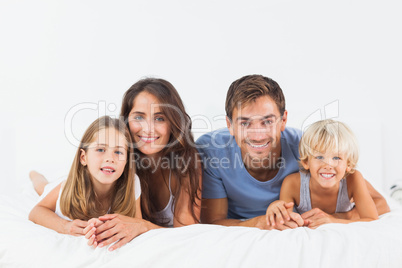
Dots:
pixel 120 228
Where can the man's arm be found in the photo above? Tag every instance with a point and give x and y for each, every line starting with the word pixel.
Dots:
pixel 214 211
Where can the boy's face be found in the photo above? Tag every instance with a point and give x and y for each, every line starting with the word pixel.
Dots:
pixel 257 129
pixel 327 169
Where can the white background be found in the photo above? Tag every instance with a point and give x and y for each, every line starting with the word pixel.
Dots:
pixel 59 56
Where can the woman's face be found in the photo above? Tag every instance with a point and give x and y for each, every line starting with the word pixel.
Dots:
pixel 148 125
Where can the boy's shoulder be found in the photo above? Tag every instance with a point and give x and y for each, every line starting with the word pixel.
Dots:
pixel 292 180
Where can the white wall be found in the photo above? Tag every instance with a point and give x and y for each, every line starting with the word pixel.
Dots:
pixel 55 55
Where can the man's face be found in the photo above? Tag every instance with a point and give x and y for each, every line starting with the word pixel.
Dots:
pixel 257 128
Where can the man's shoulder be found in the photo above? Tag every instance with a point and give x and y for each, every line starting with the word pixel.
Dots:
pixel 292 135
pixel 219 137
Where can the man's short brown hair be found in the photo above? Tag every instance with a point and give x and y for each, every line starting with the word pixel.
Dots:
pixel 249 88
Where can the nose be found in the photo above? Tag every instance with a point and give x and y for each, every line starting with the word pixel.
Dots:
pixel 257 133
pixel 147 126
pixel 110 157
pixel 329 164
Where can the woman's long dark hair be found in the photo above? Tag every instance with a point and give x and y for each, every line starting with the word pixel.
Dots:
pixel 179 148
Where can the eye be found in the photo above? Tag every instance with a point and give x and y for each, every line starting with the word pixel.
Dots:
pixel 245 123
pixel 119 152
pixel 319 157
pixel 159 119
pixel 138 117
pixel 267 122
pixel 100 150
pixel 336 158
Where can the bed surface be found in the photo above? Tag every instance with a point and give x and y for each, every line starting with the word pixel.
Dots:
pixel 373 244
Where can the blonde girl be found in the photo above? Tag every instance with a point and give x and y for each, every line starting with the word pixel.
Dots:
pixel 101 180
pixel 328 155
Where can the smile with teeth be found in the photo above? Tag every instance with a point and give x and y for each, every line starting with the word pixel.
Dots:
pixel 327 175
pixel 107 170
pixel 148 139
pixel 257 146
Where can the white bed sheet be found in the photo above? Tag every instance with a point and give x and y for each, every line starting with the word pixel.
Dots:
pixel 373 244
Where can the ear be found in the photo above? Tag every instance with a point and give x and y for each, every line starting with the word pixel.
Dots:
pixel 284 120
pixel 83 157
pixel 305 164
pixel 229 125
pixel 349 168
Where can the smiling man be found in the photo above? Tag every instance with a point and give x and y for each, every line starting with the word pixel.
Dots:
pixel 245 164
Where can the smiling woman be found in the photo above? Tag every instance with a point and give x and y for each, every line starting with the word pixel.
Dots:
pixel 167 161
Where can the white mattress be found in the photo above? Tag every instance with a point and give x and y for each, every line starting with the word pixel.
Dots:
pixel 373 244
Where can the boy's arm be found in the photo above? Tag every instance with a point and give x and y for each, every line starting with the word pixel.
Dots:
pixel 379 201
pixel 364 203
pixel 290 192
pixel 44 214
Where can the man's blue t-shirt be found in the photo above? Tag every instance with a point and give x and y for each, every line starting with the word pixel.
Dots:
pixel 225 176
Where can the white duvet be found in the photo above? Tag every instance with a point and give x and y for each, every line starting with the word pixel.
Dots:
pixel 373 244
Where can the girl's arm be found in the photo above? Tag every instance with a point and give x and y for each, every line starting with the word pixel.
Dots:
pixel 122 229
pixel 92 229
pixel 44 214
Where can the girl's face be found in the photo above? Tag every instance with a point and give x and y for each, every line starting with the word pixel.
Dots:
pixel 149 127
pixel 105 157
pixel 327 169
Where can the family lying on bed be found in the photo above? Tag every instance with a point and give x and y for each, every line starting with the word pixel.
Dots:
pixel 256 173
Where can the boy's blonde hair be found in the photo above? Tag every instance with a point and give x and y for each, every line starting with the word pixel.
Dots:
pixel 327 135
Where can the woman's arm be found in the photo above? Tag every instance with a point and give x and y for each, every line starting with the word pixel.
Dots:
pixel 182 214
pixel 44 214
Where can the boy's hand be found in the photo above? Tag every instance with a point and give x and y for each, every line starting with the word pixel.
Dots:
pixel 279 210
pixel 317 217
pixel 280 216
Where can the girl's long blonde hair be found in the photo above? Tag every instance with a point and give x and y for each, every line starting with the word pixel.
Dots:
pixel 78 199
